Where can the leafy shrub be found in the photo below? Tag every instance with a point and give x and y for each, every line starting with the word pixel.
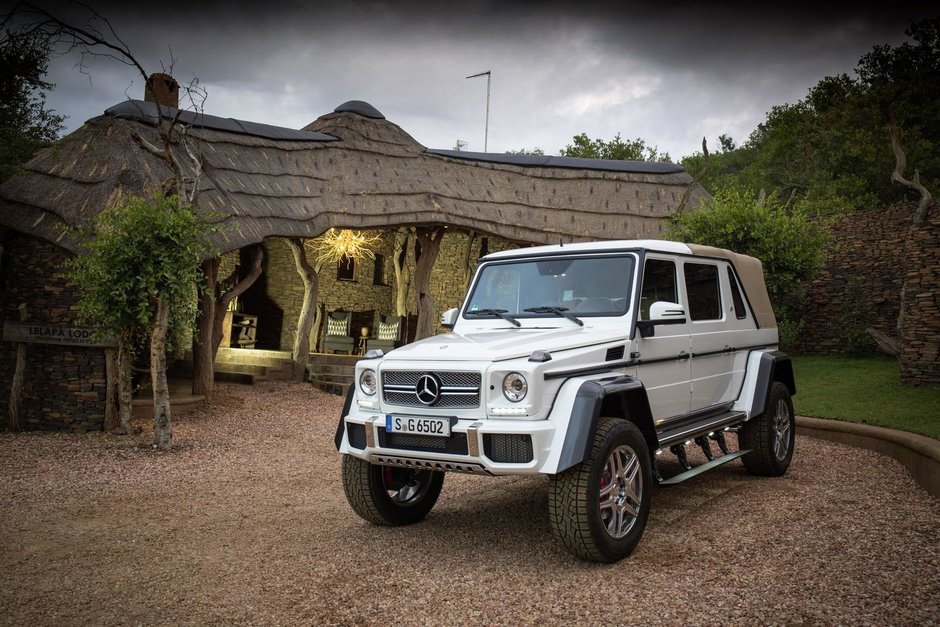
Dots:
pixel 790 246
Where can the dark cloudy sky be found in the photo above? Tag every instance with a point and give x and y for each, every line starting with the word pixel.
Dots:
pixel 669 72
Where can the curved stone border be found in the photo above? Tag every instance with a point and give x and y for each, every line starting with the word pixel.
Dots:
pixel 918 453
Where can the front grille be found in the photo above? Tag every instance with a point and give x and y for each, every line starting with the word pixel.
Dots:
pixel 357 435
pixel 455 444
pixel 508 448
pixel 459 390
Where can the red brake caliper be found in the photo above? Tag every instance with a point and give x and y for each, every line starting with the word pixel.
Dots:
pixel 605 479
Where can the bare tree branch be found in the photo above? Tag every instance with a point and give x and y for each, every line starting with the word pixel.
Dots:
pixel 926 199
pixel 39 22
pixel 695 179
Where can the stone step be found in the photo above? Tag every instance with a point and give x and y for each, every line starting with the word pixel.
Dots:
pixel 332 369
pixel 333 388
pixel 333 378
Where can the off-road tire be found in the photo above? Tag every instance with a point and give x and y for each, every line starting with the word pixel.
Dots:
pixel 574 496
pixel 762 435
pixel 368 494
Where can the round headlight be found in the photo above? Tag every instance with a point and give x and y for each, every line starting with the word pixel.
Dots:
pixel 368 382
pixel 515 387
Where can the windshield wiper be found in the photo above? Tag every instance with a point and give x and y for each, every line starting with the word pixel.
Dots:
pixel 561 311
pixel 495 312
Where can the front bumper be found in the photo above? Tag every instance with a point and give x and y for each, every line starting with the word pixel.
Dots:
pixel 475 446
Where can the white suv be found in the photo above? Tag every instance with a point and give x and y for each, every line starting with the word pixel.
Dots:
pixel 582 362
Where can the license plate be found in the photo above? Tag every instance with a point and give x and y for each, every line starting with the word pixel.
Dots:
pixel 417 425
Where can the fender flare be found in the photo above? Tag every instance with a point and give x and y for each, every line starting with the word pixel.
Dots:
pixel 773 366
pixel 341 427
pixel 628 393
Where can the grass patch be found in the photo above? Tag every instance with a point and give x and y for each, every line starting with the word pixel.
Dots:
pixel 866 390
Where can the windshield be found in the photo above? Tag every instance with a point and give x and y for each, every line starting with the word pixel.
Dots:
pixel 584 286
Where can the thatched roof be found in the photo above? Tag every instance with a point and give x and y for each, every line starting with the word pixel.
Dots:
pixel 346 169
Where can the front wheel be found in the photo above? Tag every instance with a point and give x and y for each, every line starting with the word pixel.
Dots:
pixel 390 496
pixel 598 509
pixel 770 436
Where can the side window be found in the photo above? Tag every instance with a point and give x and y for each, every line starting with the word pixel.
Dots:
pixel 701 284
pixel 739 309
pixel 659 283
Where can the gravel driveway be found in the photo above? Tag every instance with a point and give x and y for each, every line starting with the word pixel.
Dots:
pixel 246 522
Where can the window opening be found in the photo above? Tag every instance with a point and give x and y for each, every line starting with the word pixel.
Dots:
pixel 346 269
pixel 659 284
pixel 701 284
pixel 378 271
pixel 739 309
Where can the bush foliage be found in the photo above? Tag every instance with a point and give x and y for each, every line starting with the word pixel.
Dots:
pixel 790 246
pixel 142 250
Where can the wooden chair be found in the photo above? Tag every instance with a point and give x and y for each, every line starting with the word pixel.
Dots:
pixel 337 337
pixel 387 334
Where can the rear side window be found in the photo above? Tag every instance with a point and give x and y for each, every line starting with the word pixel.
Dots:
pixel 739 309
pixel 701 284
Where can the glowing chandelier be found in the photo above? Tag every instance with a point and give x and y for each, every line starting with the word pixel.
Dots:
pixel 339 244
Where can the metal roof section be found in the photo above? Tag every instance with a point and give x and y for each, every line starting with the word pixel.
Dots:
pixel 545 161
pixel 147 113
pixel 360 107
pixel 580 247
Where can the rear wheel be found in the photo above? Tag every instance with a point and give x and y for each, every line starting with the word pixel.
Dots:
pixel 770 436
pixel 390 496
pixel 598 509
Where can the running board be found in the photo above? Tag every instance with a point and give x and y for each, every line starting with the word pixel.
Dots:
pixel 718 461
pixel 668 437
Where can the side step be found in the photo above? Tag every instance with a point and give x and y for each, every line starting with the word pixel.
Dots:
pixel 718 461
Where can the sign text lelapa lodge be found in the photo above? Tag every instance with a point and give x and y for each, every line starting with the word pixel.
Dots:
pixel 50 334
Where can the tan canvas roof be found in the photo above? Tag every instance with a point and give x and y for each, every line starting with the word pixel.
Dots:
pixel 751 273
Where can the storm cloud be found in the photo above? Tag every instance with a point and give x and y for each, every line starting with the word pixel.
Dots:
pixel 670 73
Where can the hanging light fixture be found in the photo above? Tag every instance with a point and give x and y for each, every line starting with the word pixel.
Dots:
pixel 339 244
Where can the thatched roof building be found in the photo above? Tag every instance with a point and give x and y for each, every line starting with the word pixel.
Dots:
pixel 350 168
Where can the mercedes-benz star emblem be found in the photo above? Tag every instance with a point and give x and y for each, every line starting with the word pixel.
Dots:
pixel 428 389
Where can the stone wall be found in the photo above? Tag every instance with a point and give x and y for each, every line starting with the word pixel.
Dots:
pixel 920 329
pixel 64 386
pixel 876 255
pixel 860 284
pixel 278 295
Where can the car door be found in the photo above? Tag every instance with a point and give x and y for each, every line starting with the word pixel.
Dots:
pixel 713 330
pixel 663 360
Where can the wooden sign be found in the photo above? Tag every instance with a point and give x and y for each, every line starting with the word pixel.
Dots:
pixel 32 333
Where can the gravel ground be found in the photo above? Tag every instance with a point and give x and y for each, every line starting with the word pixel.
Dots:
pixel 246 522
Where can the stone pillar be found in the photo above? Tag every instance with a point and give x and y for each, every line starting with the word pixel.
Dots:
pixel 920 306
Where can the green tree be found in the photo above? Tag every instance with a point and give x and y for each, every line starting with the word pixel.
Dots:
pixel 26 125
pixel 831 151
pixel 140 275
pixel 538 152
pixel 790 246
pixel 615 149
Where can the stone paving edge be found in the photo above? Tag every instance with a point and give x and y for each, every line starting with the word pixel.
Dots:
pixel 918 453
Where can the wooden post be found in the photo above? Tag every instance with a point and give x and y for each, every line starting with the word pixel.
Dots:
pixel 308 274
pixel 19 373
pixel 162 431
pixel 429 242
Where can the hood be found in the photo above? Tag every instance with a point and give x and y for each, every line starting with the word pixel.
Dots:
pixel 503 344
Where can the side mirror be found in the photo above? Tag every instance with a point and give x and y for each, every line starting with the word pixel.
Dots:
pixel 449 318
pixel 661 312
